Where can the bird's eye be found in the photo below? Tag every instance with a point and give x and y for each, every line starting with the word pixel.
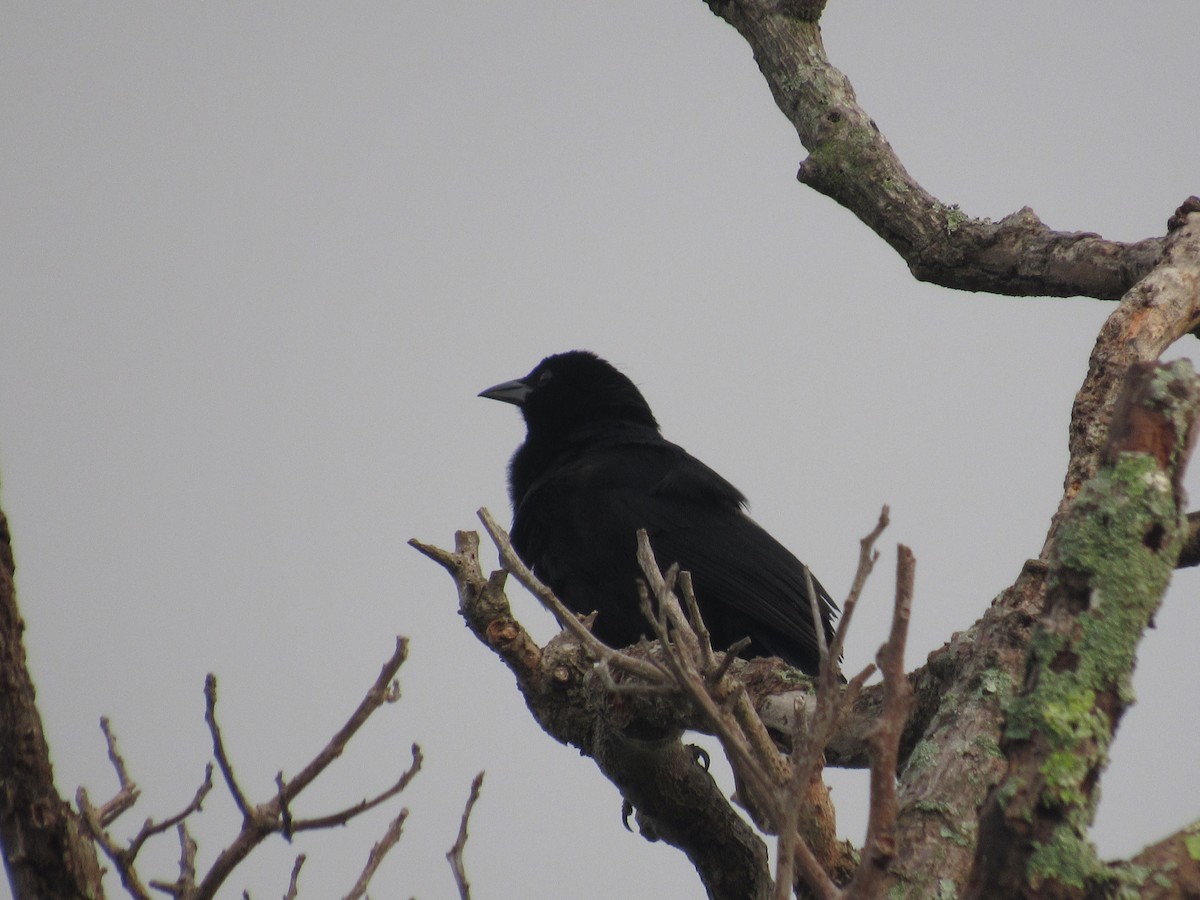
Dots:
pixel 543 379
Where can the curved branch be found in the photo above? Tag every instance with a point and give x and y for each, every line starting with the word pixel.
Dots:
pixel 851 162
pixel 1159 310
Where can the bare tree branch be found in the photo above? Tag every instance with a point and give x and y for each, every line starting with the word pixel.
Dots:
pixel 273 816
pixel 219 751
pixel 341 817
pixel 127 794
pixel 455 853
pixel 183 885
pixel 378 851
pixel 851 162
pixel 267 818
pixel 1156 312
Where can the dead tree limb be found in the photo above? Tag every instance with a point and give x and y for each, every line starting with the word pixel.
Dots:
pixel 851 162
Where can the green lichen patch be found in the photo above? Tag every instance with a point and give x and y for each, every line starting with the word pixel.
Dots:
pixel 922 756
pixel 1067 859
pixel 995 681
pixel 1101 553
pixel 1191 843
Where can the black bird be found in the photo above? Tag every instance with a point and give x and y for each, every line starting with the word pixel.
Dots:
pixel 594 469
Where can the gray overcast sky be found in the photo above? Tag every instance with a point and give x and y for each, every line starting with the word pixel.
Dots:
pixel 259 259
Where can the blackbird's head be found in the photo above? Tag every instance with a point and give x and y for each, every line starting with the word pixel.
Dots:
pixel 571 390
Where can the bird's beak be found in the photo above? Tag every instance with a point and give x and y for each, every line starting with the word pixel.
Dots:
pixel 513 392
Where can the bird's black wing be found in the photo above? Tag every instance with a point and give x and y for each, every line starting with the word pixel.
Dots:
pixel 577 527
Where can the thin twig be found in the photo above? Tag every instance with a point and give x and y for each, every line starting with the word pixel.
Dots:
pixel 127 792
pixel 210 717
pixel 567 619
pixel 389 840
pixel 867 555
pixel 707 656
pixel 186 882
pixel 884 739
pixel 755 762
pixel 151 828
pixel 455 854
pixel 381 692
pixel 808 748
pixel 731 656
pixel 343 816
pixel 662 585
pixel 293 890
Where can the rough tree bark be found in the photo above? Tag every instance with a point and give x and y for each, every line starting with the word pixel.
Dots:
pixel 46 852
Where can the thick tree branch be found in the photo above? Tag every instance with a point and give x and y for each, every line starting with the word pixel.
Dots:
pixel 46 852
pixel 1157 311
pixel 851 162
pixel 1111 564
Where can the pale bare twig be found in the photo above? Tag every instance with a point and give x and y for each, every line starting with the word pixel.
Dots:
pixel 764 781
pixel 867 555
pixel 734 651
pixel 186 882
pixel 705 639
pixel 127 793
pixel 455 853
pixel 880 845
pixel 383 691
pixel 286 827
pixel 830 702
pixel 746 757
pixel 389 840
pixel 808 748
